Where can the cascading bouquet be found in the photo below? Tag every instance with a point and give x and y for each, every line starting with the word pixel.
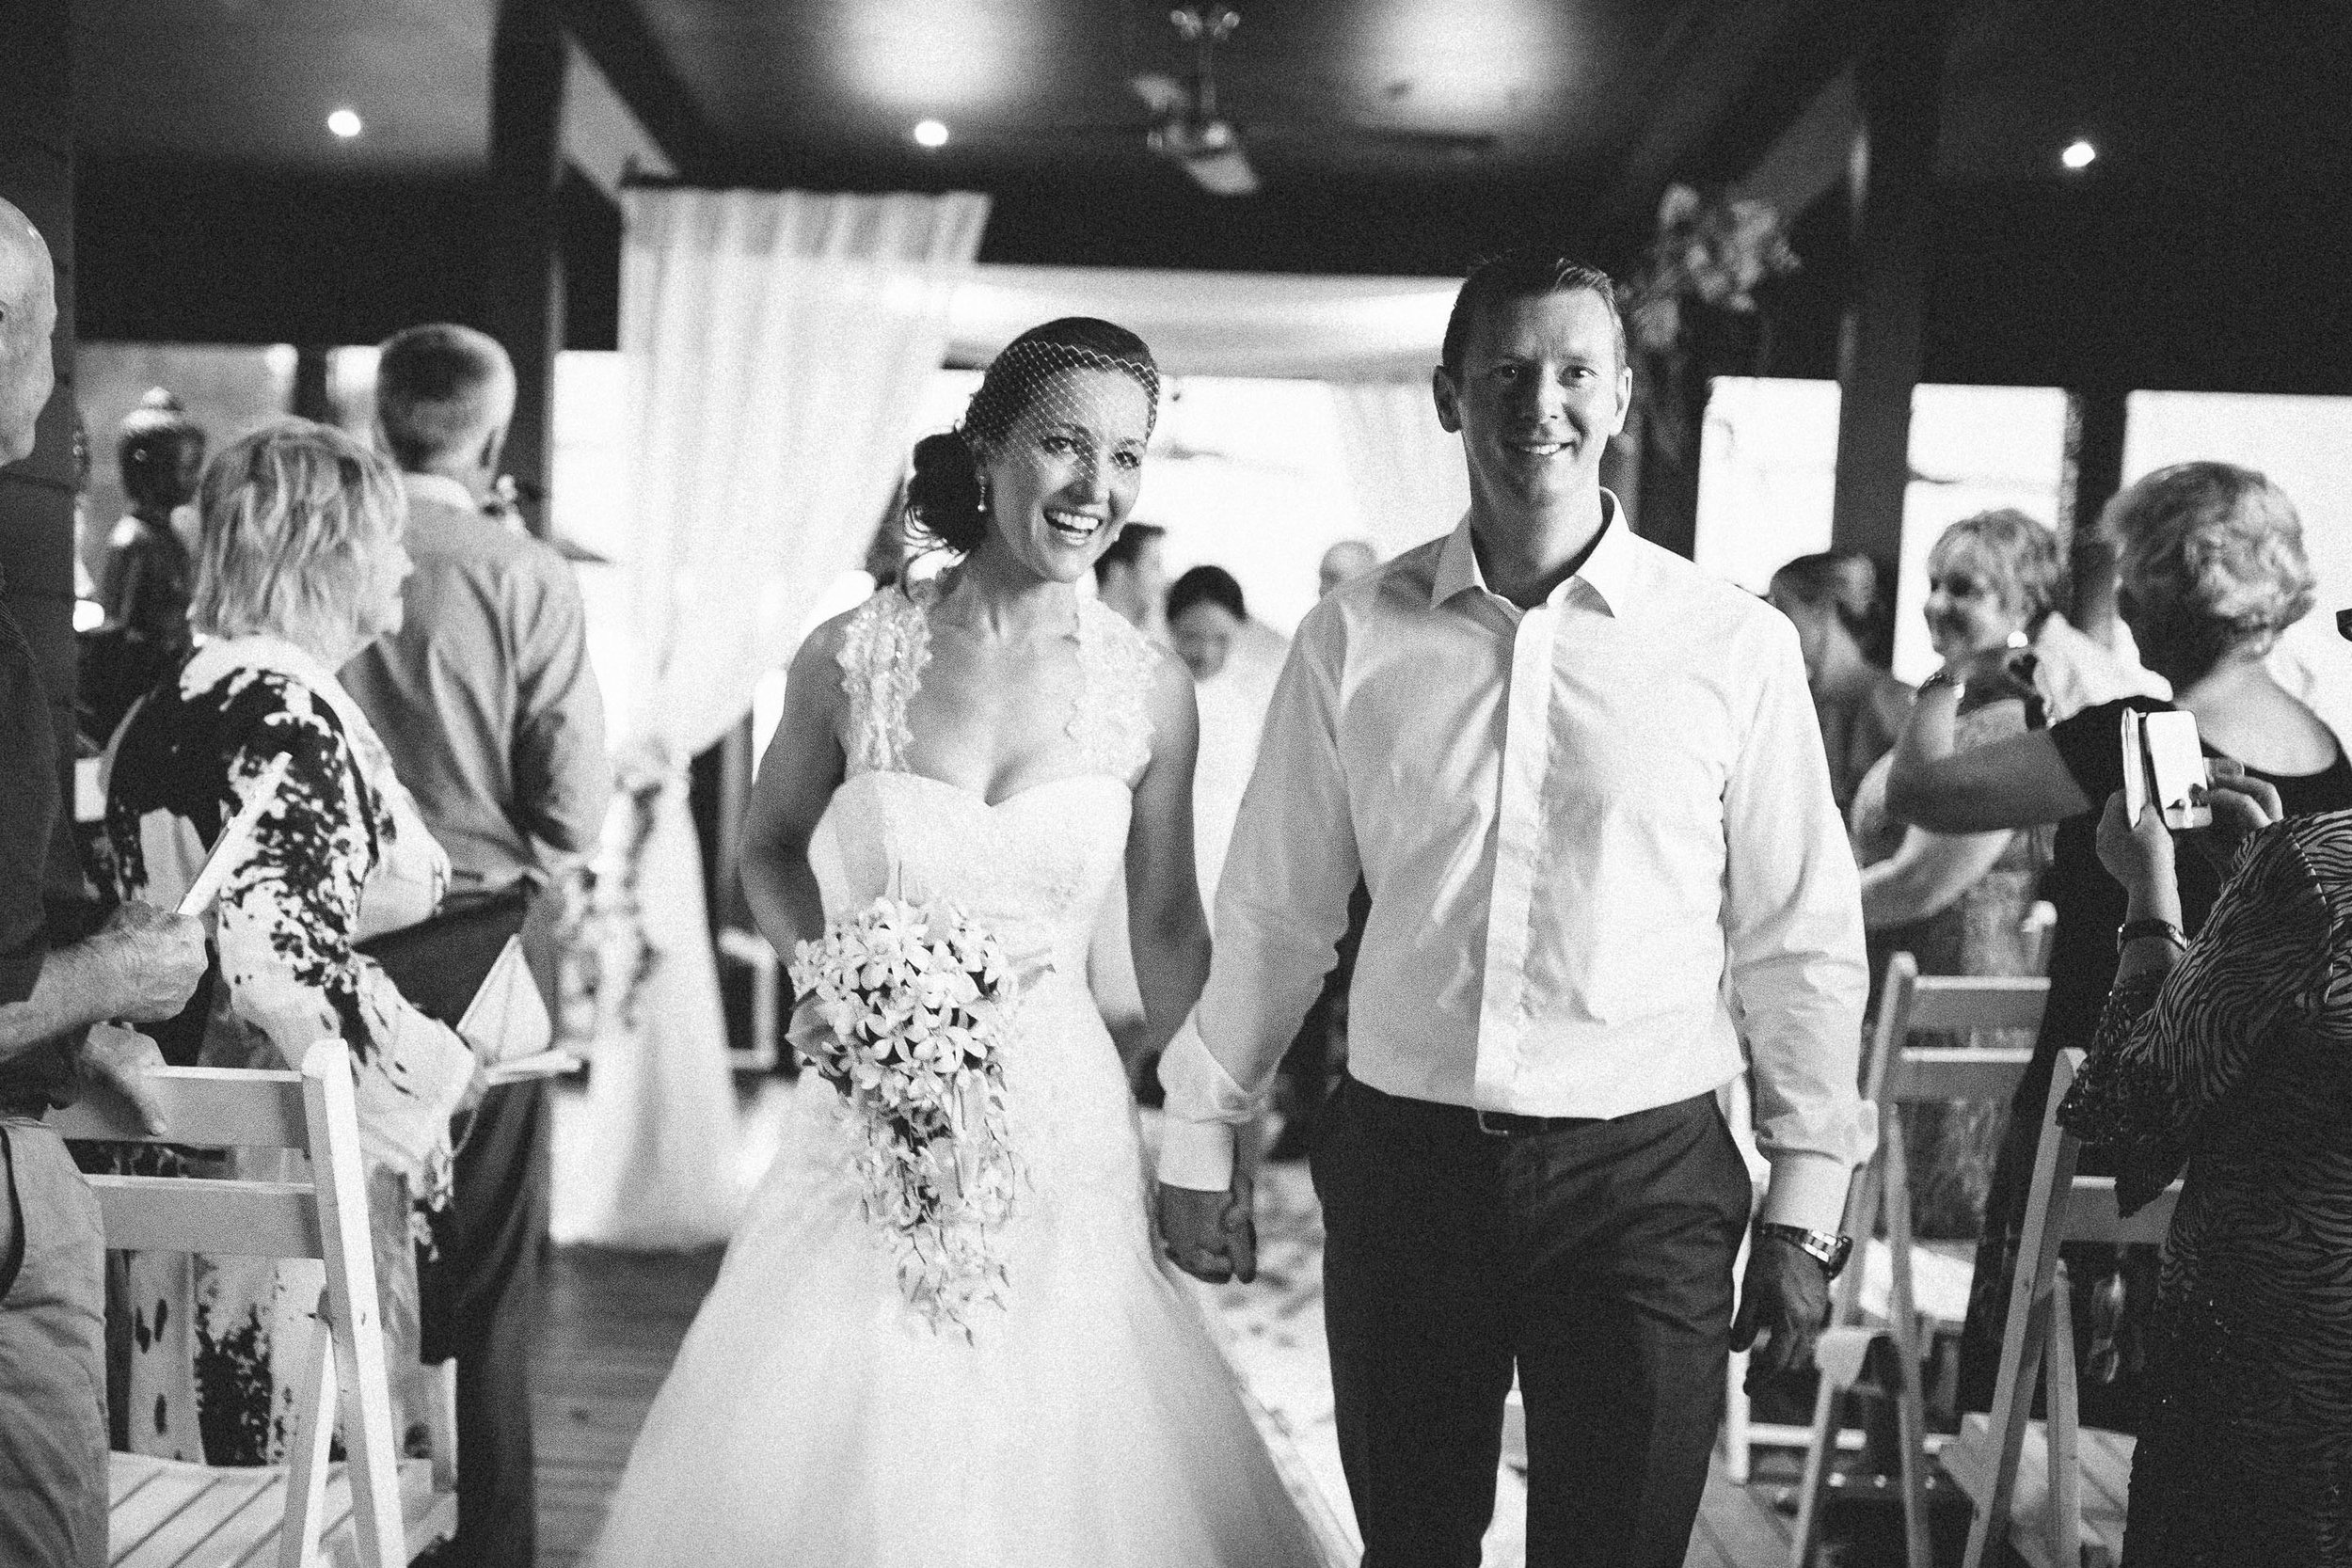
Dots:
pixel 919 1000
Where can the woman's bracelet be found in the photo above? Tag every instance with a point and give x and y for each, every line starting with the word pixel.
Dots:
pixel 1941 678
pixel 2164 930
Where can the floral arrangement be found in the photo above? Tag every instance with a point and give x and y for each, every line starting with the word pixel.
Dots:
pixel 1709 256
pixel 919 1001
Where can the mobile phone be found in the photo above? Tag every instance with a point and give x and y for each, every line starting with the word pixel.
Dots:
pixel 2163 767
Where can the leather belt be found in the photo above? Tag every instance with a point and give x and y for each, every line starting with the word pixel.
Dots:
pixel 1493 1124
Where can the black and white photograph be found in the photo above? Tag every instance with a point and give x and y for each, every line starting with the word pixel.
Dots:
pixel 1175 783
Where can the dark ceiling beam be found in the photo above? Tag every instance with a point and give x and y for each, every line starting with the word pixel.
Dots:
pixel 1809 159
pixel 1696 78
pixel 616 36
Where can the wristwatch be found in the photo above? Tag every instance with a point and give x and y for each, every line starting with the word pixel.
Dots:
pixel 1828 1250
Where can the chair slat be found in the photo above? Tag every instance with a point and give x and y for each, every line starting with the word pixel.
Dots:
pixel 1964 1074
pixel 154 1504
pixel 225 1106
pixel 195 1533
pixel 175 1213
pixel 2091 1214
pixel 1978 1002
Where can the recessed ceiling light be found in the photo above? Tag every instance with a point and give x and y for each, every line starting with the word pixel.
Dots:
pixel 2078 154
pixel 930 133
pixel 344 123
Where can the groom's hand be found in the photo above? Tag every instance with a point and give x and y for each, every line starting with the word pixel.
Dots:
pixel 1211 1236
pixel 1786 1296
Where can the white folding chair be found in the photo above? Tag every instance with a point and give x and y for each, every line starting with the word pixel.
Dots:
pixel 377 1510
pixel 1894 1074
pixel 2070 1514
pixel 750 950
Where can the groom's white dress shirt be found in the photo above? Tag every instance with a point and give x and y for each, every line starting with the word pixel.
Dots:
pixel 1602 851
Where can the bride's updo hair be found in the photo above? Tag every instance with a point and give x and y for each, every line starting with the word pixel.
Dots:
pixel 943 498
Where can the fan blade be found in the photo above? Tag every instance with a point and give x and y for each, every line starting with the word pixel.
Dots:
pixel 1454 144
pixel 1226 172
pixel 1164 96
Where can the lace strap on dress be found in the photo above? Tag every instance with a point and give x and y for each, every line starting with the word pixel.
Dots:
pixel 1113 720
pixel 883 650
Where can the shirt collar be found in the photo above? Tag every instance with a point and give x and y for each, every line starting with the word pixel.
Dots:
pixel 441 488
pixel 1608 571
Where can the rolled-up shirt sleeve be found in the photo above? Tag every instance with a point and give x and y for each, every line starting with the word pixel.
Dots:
pixel 1282 907
pixel 1799 980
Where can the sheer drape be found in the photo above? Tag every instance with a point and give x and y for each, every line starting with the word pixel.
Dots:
pixel 1407 470
pixel 776 348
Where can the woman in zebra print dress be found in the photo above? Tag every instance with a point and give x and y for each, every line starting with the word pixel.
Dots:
pixel 2234 1058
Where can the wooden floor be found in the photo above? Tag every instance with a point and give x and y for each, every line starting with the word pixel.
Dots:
pixel 615 1319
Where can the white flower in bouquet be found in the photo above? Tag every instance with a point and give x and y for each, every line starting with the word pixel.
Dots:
pixel 918 999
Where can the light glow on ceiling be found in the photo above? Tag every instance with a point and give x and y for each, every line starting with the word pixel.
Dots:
pixel 930 133
pixel 2078 154
pixel 345 124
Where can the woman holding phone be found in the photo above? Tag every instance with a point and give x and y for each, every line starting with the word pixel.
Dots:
pixel 2212 570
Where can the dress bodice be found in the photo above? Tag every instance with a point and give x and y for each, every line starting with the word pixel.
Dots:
pixel 1034 867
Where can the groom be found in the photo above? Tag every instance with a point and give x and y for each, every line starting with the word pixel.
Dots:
pixel 1584 784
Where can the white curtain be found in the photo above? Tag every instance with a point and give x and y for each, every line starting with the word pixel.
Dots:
pixel 1408 471
pixel 777 347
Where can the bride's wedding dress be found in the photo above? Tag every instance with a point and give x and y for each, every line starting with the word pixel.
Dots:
pixel 812 1415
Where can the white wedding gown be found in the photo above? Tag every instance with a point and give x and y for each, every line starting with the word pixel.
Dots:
pixel 813 1418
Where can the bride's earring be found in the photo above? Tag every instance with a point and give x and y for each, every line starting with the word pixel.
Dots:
pixel 982 480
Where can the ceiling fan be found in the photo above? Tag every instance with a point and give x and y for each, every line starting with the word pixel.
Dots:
pixel 1189 127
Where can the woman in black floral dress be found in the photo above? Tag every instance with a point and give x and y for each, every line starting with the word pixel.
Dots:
pixel 2234 1058
pixel 300 566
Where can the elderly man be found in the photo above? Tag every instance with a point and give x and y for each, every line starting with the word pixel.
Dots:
pixel 143 966
pixel 487 701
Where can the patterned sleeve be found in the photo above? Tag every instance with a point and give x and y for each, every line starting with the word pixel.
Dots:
pixel 2168 1053
pixel 284 925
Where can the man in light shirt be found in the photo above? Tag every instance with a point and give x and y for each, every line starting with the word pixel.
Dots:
pixel 487 701
pixel 1584 785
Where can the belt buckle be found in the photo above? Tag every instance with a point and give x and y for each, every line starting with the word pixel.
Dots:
pixel 1482 1114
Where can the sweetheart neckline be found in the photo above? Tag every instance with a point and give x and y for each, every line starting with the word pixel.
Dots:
pixel 968 793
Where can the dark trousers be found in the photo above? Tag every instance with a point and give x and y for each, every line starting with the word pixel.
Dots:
pixel 481 1304
pixel 1595 1259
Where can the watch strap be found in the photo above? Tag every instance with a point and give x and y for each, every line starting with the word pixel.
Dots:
pixel 1824 1248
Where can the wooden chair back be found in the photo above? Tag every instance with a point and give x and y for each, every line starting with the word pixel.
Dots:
pixel 1894 1074
pixel 2061 1206
pixel 325 1218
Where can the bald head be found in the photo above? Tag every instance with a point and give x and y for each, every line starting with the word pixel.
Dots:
pixel 28 314
pixel 1350 558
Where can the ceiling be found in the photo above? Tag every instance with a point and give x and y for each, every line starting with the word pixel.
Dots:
pixel 2222 133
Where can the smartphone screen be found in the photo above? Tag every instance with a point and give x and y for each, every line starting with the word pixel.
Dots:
pixel 2134 769
pixel 2177 780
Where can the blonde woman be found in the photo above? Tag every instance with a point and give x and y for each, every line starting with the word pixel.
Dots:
pixel 299 565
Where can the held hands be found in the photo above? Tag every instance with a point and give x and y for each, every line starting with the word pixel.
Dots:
pixel 155 961
pixel 1213 1236
pixel 1786 1297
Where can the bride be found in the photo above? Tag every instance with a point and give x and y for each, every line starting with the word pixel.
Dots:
pixel 995 739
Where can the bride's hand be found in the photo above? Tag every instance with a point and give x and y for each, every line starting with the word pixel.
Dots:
pixel 813 1039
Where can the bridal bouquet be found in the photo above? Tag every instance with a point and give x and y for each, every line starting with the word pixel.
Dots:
pixel 919 999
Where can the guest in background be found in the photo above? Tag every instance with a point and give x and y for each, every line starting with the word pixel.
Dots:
pixel 149 575
pixel 1132 578
pixel 2233 1058
pixel 486 698
pixel 1205 616
pixel 1956 902
pixel 1343 562
pixel 299 564
pixel 141 967
pixel 1832 599
pixel 2212 569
